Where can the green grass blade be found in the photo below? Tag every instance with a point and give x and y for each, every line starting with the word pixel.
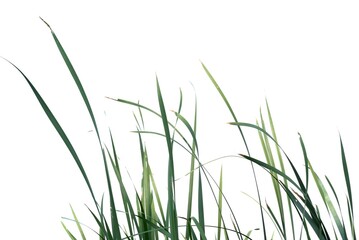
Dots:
pixel 191 177
pixel 200 229
pixel 328 203
pixel 114 220
pixel 281 163
pixel 78 224
pixel 190 149
pixel 219 214
pixel 151 111
pixel 190 130
pixel 349 190
pixel 59 130
pixel 172 211
pixel 200 205
pixel 75 77
pixel 224 98
pixel 68 232
pixel 227 103
pixel 270 160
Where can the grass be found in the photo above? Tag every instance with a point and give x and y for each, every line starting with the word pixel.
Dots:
pixel 148 215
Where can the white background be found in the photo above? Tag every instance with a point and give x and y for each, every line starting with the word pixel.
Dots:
pixel 303 57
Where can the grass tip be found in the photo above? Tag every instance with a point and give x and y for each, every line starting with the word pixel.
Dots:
pixel 45 23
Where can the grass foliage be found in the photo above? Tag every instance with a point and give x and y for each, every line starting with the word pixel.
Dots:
pixel 147 216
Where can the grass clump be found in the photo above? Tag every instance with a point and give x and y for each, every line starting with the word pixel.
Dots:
pixel 147 216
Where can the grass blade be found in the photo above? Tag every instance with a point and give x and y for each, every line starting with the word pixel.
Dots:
pixel 172 211
pixel 349 190
pixel 200 205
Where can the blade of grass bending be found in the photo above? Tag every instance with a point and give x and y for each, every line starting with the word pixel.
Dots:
pixel 328 203
pixel 151 111
pixel 315 220
pixel 76 79
pixel 214 82
pixel 324 194
pixel 226 102
pixel 104 232
pixel 311 218
pixel 59 130
pixel 205 172
pixel 338 203
pixel 172 211
pixel 349 191
pixel 179 116
pixel 174 140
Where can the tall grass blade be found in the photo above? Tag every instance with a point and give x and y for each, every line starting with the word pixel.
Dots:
pixel 219 214
pixel 129 212
pixel 349 190
pixel 270 160
pixel 324 194
pixel 59 130
pixel 214 82
pixel 171 209
pixel 281 162
pixel 200 205
pixel 191 177
pixel 75 77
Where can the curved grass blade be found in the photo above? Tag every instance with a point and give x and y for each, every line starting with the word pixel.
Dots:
pixel 214 82
pixel 59 130
pixel 76 79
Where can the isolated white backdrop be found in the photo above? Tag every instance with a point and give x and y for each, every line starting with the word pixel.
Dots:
pixel 303 57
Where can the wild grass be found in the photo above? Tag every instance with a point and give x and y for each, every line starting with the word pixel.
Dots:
pixel 148 215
